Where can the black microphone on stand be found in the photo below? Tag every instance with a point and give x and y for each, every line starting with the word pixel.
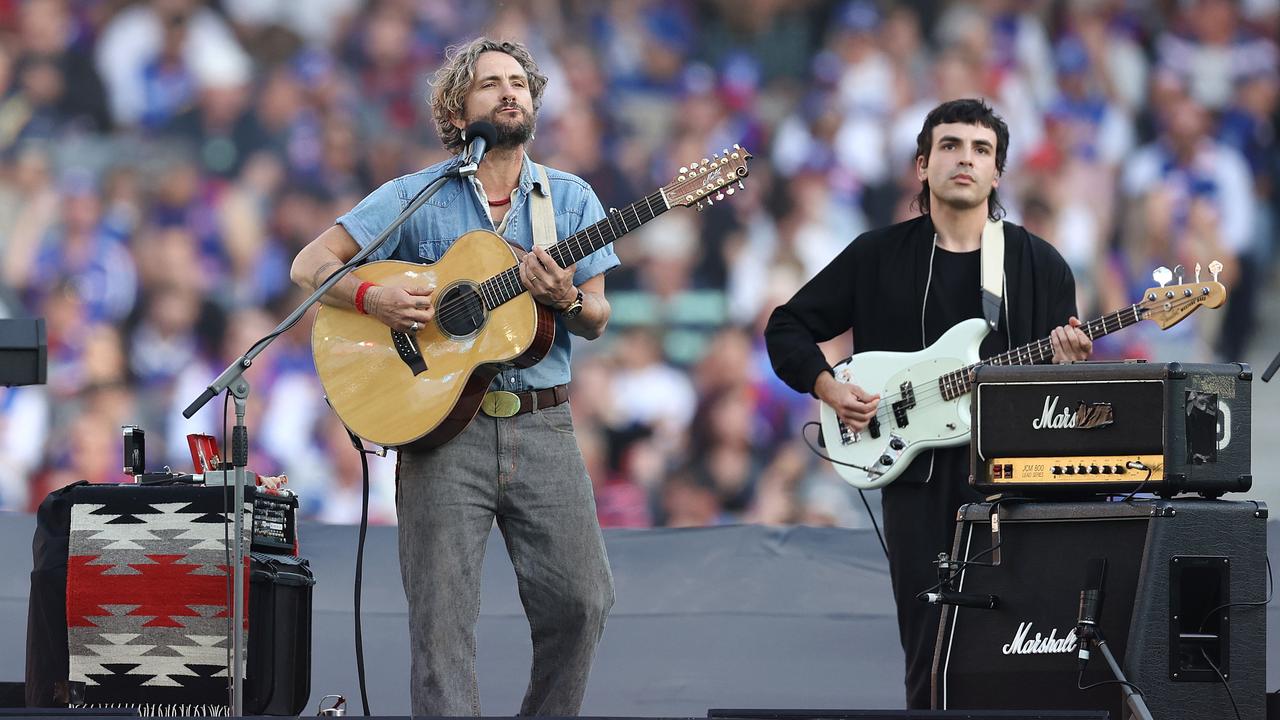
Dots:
pixel 1090 607
pixel 479 136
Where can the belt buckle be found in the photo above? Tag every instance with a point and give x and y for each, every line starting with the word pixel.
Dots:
pixel 500 404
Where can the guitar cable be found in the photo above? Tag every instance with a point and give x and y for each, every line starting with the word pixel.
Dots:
pixel 1271 588
pixel 861 494
pixel 359 579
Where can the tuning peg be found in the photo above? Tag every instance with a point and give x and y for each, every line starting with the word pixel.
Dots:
pixel 1178 272
pixel 699 206
pixel 684 169
pixel 730 191
pixel 719 196
pixel 1197 273
pixel 710 202
pixel 1162 275
pixel 704 161
pixel 741 186
pixel 1215 267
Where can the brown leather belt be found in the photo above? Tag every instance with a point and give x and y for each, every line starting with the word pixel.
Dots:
pixel 504 404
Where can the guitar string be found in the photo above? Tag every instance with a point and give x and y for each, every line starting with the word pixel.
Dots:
pixel 930 395
pixel 456 307
pixel 935 388
pixel 514 286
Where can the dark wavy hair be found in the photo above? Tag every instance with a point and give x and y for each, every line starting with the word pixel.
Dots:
pixel 971 111
pixel 452 81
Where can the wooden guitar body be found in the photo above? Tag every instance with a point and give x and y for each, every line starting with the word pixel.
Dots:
pixel 387 396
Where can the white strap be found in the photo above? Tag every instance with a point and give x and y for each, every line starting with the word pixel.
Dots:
pixel 542 212
pixel 992 271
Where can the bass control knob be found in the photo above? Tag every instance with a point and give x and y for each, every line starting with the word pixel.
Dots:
pixel 897 444
pixel 886 460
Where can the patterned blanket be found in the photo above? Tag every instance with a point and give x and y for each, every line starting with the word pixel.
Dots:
pixel 148 595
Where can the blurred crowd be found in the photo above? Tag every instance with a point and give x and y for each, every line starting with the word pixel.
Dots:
pixel 161 162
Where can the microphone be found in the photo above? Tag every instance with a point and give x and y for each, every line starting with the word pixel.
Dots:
pixel 962 599
pixel 1090 607
pixel 479 136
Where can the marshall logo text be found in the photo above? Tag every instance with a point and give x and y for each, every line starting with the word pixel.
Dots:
pixel 1024 644
pixel 1086 416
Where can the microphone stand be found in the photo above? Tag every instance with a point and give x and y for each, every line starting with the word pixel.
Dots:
pixel 232 380
pixel 1137 706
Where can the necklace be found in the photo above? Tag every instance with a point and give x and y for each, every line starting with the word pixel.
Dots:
pixel 499 203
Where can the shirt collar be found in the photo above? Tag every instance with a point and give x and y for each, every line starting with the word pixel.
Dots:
pixel 527 181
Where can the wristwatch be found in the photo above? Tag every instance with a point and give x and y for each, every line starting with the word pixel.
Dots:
pixel 574 308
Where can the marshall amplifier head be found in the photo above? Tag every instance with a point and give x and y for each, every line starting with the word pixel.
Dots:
pixel 1105 427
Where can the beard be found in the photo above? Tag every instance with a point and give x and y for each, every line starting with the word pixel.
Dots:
pixel 512 132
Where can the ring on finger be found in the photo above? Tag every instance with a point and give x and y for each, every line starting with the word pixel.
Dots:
pixel 414 327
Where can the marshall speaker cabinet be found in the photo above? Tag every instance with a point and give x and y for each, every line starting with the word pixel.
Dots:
pixel 1182 588
pixel 1105 427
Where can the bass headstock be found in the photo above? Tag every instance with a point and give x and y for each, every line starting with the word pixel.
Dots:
pixel 1167 305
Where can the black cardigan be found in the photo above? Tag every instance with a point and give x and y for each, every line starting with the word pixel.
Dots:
pixel 876 287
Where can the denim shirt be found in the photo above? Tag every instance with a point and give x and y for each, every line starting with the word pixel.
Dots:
pixel 456 210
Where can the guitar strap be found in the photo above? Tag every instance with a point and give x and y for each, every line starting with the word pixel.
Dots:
pixel 992 271
pixel 541 211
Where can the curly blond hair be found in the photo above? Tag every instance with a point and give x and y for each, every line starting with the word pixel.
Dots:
pixel 452 81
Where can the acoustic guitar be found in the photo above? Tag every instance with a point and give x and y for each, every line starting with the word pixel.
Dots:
pixel 395 388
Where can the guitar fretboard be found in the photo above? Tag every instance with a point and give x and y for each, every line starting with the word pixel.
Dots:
pixel 958 382
pixel 506 285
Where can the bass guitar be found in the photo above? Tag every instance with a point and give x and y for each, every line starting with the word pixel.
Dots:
pixel 924 395
pixel 395 388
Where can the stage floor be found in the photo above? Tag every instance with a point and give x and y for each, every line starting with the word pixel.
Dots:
pixel 727 617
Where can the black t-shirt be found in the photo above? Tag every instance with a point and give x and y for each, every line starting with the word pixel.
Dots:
pixel 955 291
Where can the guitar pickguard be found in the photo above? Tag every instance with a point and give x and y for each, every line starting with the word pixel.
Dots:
pixel 913 414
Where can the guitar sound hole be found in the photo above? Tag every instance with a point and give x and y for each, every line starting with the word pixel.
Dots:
pixel 460 310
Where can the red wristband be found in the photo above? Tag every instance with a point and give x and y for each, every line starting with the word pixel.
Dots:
pixel 359 299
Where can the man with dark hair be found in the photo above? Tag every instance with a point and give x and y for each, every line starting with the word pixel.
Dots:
pixel 517 465
pixel 899 289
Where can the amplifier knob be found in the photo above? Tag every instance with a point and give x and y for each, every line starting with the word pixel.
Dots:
pixel 1106 469
pixel 1081 470
pixel 1057 470
pixel 1069 470
pixel 1120 470
pixel 1093 469
pixel 886 460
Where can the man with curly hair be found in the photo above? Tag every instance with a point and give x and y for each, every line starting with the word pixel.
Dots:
pixel 524 472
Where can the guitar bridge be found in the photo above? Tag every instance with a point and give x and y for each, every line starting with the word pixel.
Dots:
pixel 847 436
pixel 407 347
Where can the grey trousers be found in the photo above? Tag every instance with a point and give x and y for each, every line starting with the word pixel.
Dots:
pixel 527 473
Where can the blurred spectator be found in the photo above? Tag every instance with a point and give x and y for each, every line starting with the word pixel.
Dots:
pixel 1194 200
pixel 1210 50
pixel 59 78
pixel 136 37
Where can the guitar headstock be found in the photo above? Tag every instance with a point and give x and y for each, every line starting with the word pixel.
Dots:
pixel 698 181
pixel 1167 305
